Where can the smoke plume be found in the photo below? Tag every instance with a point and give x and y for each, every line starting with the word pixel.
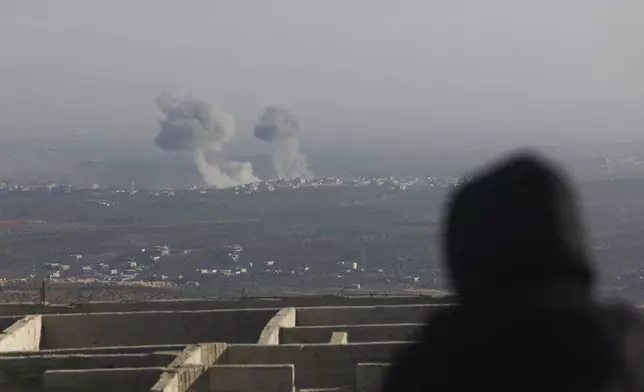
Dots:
pixel 201 129
pixel 280 126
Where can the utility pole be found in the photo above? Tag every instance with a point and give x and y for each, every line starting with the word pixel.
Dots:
pixel 43 292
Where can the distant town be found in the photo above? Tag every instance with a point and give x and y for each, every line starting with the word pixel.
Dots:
pixel 402 183
pixel 318 235
pixel 212 267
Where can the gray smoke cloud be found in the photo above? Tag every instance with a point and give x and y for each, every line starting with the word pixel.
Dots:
pixel 201 129
pixel 279 126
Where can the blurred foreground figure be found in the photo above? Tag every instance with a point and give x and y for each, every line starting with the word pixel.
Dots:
pixel 526 319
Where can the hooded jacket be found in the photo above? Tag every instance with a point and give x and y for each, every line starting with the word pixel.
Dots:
pixel 526 319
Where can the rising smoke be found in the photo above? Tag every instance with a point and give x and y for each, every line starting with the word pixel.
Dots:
pixel 280 126
pixel 201 129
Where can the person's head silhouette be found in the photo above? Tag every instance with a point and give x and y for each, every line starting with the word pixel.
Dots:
pixel 515 224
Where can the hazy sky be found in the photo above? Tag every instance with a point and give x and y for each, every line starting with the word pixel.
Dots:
pixel 424 73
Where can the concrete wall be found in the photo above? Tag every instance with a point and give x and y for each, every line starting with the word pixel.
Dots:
pixel 364 315
pixel 251 378
pixel 339 338
pixel 26 373
pixel 153 328
pixel 183 379
pixel 181 374
pixel 191 355
pixel 188 371
pixel 316 366
pixel 177 348
pixel 210 352
pixel 23 335
pixel 357 333
pixel 100 380
pixel 20 309
pixel 370 376
pixel 271 333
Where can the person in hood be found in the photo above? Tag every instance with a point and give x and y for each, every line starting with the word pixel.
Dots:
pixel 526 317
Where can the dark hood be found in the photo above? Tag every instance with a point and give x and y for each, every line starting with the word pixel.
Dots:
pixel 512 226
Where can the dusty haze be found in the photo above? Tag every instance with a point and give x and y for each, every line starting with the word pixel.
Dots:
pixel 363 74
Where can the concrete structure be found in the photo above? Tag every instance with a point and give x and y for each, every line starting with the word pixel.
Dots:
pixel 22 309
pixel 153 328
pixel 356 333
pixel 370 376
pixel 251 378
pixel 281 344
pixel 285 318
pixel 22 335
pixel 339 338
